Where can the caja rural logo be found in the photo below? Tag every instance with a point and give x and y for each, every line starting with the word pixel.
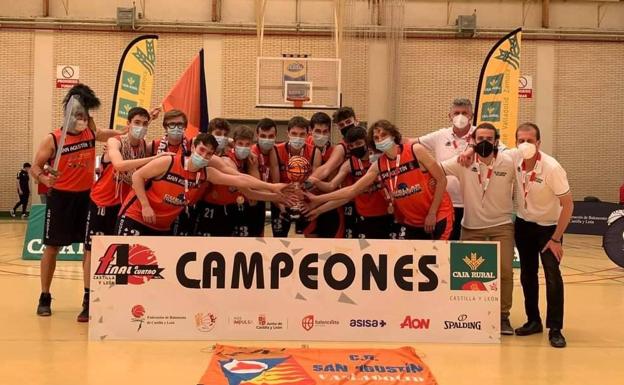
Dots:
pixel 124 264
pixel 473 267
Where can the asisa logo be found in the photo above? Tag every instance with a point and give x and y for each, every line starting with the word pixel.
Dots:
pixel 415 323
pixel 367 323
pixel 124 264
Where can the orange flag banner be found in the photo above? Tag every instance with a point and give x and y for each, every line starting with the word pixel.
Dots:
pixel 231 365
pixel 189 95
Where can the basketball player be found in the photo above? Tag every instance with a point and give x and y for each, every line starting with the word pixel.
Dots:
pixel 264 149
pixel 174 140
pixel 163 188
pixel 68 198
pixel 331 223
pixel 344 119
pixel 123 155
pixel 373 220
pixel 226 210
pixel 296 145
pixel 406 172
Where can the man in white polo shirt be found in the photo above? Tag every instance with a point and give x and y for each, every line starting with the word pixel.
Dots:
pixel 545 206
pixel 447 143
pixel 487 188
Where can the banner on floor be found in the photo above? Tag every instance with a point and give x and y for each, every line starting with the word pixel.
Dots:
pixel 163 288
pixel 231 365
pixel 33 239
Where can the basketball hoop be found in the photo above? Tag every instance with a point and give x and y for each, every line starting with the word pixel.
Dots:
pixel 298 102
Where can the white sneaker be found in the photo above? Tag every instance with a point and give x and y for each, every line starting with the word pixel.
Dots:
pixel 12 212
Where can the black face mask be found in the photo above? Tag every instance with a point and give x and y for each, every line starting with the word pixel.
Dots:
pixel 484 148
pixel 346 129
pixel 359 152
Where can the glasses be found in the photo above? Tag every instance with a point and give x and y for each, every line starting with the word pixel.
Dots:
pixel 175 126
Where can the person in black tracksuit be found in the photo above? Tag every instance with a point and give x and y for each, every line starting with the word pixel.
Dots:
pixel 23 190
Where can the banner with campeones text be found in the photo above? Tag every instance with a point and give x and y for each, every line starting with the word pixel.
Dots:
pixel 168 288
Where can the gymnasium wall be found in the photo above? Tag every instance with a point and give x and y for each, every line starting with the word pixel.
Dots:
pixel 16 81
pixel 577 90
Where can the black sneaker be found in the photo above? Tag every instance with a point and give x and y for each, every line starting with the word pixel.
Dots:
pixel 43 309
pixel 557 340
pixel 84 314
pixel 531 327
pixel 506 328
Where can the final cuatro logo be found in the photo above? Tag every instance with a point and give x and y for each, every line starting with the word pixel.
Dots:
pixel 473 267
pixel 124 264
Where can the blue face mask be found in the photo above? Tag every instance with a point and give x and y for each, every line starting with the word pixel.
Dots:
pixel 242 152
pixel 385 144
pixel 374 157
pixel 175 133
pixel 266 144
pixel 198 160
pixel 296 143
pixel 138 132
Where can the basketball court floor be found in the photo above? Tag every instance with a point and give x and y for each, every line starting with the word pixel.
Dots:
pixel 55 350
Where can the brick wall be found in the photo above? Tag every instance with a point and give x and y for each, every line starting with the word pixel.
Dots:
pixel 16 88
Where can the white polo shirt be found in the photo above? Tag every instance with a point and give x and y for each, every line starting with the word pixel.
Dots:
pixel 496 206
pixel 446 145
pixel 548 184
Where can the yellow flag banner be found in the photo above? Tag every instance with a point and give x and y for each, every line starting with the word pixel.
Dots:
pixel 497 95
pixel 135 79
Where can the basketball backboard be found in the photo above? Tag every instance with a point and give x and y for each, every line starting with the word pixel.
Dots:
pixel 298 82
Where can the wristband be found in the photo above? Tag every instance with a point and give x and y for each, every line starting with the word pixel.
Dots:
pixel 554 240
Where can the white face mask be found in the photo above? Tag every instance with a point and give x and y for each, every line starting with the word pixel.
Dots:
pixel 320 140
pixel 527 149
pixel 138 132
pixel 460 121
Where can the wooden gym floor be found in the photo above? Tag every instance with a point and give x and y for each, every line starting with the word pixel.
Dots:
pixel 55 350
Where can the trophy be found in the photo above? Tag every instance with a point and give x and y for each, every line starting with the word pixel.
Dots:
pixel 298 170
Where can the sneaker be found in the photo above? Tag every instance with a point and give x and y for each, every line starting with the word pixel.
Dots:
pixel 531 327
pixel 12 212
pixel 506 328
pixel 557 340
pixel 43 309
pixel 84 314
pixel 24 216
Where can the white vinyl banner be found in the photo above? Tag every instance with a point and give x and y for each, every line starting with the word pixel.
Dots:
pixel 168 288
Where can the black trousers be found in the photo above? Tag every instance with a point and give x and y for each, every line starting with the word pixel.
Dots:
pixel 530 240
pixel 456 233
pixel 23 201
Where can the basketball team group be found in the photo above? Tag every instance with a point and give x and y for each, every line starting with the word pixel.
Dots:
pixel 456 183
